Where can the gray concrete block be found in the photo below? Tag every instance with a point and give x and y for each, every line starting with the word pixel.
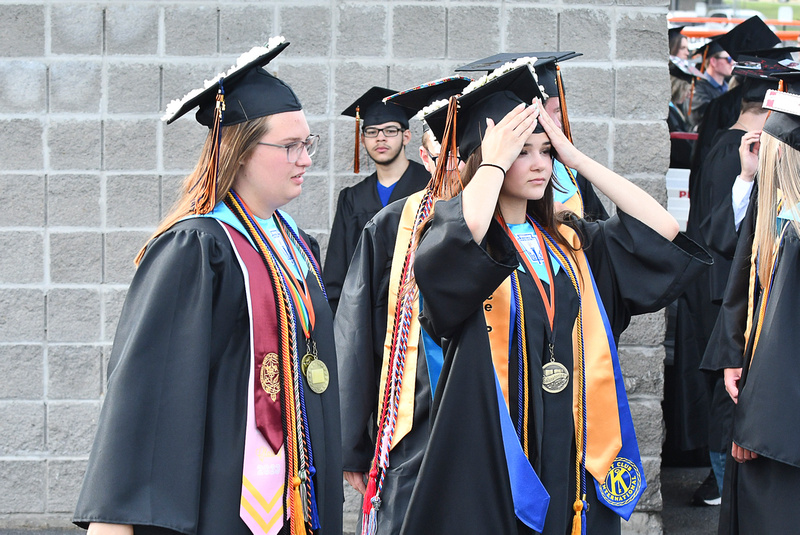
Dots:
pixel 25 263
pixel 76 29
pixel 132 200
pixel 353 79
pixel 179 78
pixel 647 420
pixel 71 427
pixel 23 486
pixel 589 91
pixel 308 28
pixel 640 35
pixel 31 75
pixel 641 93
pixel 21 371
pixel 73 315
pixel 76 257
pixel 651 500
pixel 242 27
pixel 22 30
pixel 641 148
pixel 133 88
pixel 190 30
pixel 129 144
pixel 591 138
pixel 586 30
pixel 320 160
pixel 643 524
pixel 21 144
pixel 64 479
pixel 112 307
pixel 654 186
pixel 472 30
pixel 73 200
pixel 75 86
pixel 643 370
pixel 310 209
pixel 183 143
pixel 361 30
pixel 530 28
pixel 405 74
pixel 310 82
pixel 74 144
pixel 132 28
pixel 352 508
pixel 171 187
pixel 23 197
pixel 21 315
pixel 23 427
pixel 645 330
pixel 74 372
pixel 121 249
pixel 419 31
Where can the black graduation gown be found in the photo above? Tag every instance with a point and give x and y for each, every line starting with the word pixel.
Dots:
pixel 357 204
pixel 360 329
pixel 593 208
pixel 463 485
pixel 680 153
pixel 167 457
pixel 704 93
pixel 760 495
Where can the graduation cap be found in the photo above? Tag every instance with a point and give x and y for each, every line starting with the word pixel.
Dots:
pixel 757 73
pixel 247 90
pixel 777 53
pixel 751 34
pixel 680 68
pixel 789 80
pixel 784 121
pixel 493 96
pixel 423 98
pixel 672 33
pixel 369 109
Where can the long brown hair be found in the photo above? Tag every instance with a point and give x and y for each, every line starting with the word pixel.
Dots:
pixel 238 142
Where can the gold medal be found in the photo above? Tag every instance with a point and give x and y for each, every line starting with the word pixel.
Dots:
pixel 317 376
pixel 555 377
pixel 305 361
pixel 270 376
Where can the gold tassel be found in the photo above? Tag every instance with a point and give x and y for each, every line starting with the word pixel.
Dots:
pixel 564 115
pixel 356 163
pixel 577 519
pixel 207 194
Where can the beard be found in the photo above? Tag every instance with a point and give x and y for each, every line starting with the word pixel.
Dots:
pixel 387 158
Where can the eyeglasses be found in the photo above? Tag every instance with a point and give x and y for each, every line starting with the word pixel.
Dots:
pixel 388 131
pixel 726 58
pixel 295 150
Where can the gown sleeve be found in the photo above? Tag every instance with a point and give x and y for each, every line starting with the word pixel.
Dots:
pixel 454 273
pixel 357 328
pixel 636 269
pixel 146 464
pixel 593 208
pixel 336 260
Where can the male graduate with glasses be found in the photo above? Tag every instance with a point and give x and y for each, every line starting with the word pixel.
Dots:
pixel 385 134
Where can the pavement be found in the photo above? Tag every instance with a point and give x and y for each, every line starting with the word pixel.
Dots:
pixel 678 517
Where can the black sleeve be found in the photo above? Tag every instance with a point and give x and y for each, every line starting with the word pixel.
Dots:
pixel 454 273
pixel 336 260
pixel 593 209
pixel 147 459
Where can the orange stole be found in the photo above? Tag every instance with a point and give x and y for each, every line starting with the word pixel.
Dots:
pixel 604 438
pixel 405 411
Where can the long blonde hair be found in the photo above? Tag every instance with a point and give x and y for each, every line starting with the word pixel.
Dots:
pixel 778 170
pixel 238 142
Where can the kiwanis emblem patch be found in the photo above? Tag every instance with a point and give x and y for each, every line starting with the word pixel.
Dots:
pixel 622 484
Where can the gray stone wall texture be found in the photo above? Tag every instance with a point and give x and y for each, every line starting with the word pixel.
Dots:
pixel 87 169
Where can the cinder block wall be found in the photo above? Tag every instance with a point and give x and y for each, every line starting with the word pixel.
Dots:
pixel 87 169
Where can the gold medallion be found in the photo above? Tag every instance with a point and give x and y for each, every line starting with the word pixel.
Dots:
pixel 317 376
pixel 270 376
pixel 555 377
pixel 305 361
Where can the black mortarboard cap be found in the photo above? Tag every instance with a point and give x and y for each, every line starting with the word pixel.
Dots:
pixel 373 110
pixel 682 69
pixel 784 121
pixel 250 92
pixel 674 32
pixel 494 99
pixel 779 53
pixel 791 79
pixel 545 65
pixel 751 34
pixel 757 74
pixel 417 98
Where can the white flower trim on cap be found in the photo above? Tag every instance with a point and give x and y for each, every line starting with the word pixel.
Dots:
pixel 430 108
pixel 246 58
pixel 503 69
pixel 782 101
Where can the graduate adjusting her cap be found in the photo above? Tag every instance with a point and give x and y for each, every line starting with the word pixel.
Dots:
pixel 244 92
pixel 493 95
pixel 370 109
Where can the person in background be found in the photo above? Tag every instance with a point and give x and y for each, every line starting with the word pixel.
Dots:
pixel 385 134
pixel 214 421
pixel 678 43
